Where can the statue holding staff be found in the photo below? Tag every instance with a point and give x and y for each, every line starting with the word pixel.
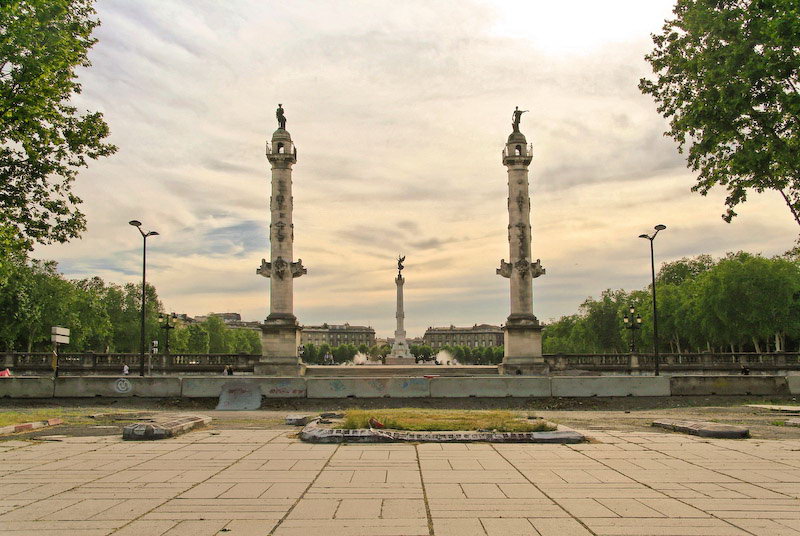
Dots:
pixel 281 117
pixel 516 117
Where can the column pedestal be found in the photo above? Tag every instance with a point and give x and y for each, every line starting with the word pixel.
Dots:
pixel 280 338
pixel 522 338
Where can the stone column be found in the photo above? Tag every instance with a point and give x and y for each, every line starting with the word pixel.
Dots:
pixel 400 354
pixel 280 336
pixel 522 332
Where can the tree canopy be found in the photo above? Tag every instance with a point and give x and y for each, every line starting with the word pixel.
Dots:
pixel 44 139
pixel 727 78
pixel 739 302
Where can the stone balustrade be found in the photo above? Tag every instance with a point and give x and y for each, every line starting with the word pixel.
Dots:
pixel 598 364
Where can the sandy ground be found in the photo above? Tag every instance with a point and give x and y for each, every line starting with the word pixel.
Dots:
pixel 619 414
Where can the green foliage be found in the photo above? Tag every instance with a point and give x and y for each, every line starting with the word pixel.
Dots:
pixel 44 140
pixel 727 79
pixel 741 301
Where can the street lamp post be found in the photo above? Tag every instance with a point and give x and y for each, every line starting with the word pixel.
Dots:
pixel 138 225
pixel 632 323
pixel 166 327
pixel 658 228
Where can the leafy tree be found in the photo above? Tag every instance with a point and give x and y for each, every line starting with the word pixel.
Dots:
pixel 197 340
pixel 727 79
pixel 678 272
pixel 215 328
pixel 324 348
pixel 312 354
pixel 363 349
pixel 44 140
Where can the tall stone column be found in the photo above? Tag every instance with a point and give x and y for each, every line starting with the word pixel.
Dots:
pixel 400 354
pixel 522 332
pixel 280 336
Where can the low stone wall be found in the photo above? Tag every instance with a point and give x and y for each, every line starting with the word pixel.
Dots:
pixel 400 387
pixel 490 387
pixel 117 386
pixel 583 386
pixel 198 387
pixel 729 385
pixel 393 387
pixel 26 387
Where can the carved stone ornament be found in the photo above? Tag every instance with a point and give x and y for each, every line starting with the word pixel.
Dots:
pixel 536 269
pixel 522 266
pixel 521 201
pixel 265 269
pixel 297 268
pixel 279 267
pixel 505 268
pixel 279 234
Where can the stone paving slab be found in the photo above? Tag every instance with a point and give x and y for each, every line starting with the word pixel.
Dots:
pixel 704 429
pixel 262 482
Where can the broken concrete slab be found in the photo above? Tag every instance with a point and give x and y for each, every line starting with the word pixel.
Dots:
pixel 771 407
pixel 793 422
pixel 239 395
pixel 169 426
pixel 704 429
pixel 297 419
pixel 313 433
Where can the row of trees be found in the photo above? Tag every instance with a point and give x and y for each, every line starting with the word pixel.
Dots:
pixel 102 317
pixel 741 302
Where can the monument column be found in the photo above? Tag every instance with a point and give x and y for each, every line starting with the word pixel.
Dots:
pixel 522 332
pixel 280 337
pixel 400 354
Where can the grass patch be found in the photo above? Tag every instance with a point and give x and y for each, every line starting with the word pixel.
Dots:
pixel 778 423
pixel 20 416
pixel 429 420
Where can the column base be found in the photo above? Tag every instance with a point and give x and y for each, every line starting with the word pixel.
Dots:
pixel 280 338
pixel 523 347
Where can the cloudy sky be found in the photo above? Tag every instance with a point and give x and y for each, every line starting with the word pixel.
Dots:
pixel 399 111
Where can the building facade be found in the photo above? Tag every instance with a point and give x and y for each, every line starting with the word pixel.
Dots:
pixel 337 334
pixel 478 336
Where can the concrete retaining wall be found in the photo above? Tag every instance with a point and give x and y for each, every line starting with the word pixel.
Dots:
pixel 400 387
pixel 368 387
pixel 490 386
pixel 580 386
pixel 794 384
pixel 210 387
pixel 118 386
pixel 729 385
pixel 22 387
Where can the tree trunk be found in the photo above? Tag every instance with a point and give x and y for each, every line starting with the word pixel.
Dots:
pixel 733 350
pixel 708 346
pixel 777 342
pixel 756 345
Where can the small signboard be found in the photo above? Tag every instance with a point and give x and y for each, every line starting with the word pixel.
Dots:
pixel 59 335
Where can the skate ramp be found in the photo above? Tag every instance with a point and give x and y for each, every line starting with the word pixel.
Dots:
pixel 239 395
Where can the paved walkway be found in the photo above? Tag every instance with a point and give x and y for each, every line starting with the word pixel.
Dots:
pixel 259 482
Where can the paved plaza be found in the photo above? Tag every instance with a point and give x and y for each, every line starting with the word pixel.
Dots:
pixel 259 482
